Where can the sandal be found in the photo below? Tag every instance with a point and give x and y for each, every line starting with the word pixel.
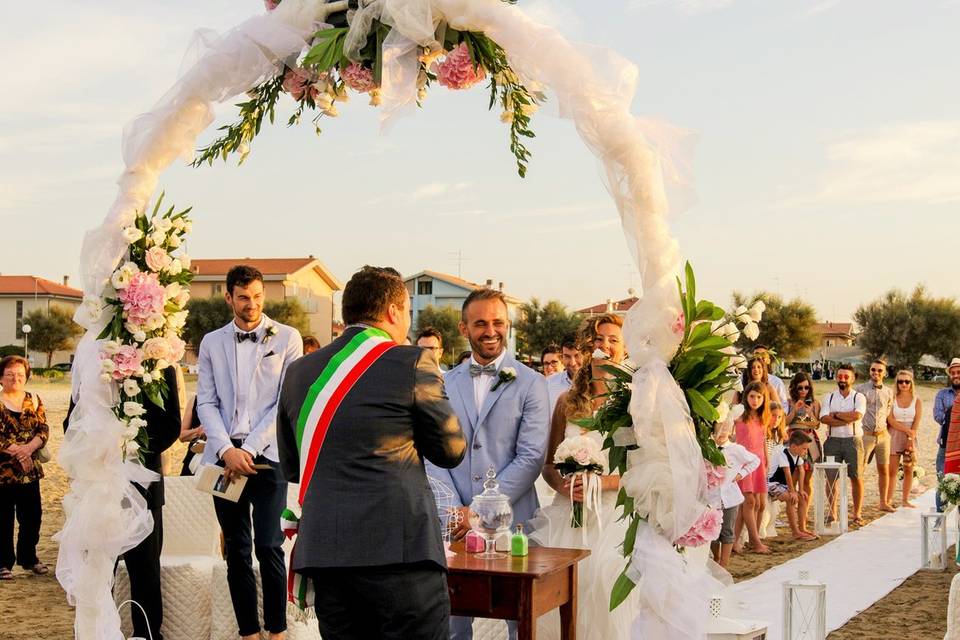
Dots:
pixel 39 569
pixel 858 521
pixel 6 574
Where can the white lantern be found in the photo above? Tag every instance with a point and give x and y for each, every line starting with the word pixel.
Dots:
pixel 721 628
pixel 830 498
pixel 804 609
pixel 933 541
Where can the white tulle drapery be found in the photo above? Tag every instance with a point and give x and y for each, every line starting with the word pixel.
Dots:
pixel 592 86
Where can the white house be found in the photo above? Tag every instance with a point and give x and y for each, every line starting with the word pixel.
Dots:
pixel 19 295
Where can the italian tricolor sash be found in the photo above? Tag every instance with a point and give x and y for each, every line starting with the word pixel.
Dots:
pixel 323 399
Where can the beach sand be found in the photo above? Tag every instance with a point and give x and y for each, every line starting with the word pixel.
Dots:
pixel 35 607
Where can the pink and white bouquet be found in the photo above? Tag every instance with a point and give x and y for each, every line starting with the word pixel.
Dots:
pixel 581 458
pixel 146 302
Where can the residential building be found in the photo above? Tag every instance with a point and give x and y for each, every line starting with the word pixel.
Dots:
pixel 19 295
pixel 835 334
pixel 432 288
pixel 306 280
pixel 618 307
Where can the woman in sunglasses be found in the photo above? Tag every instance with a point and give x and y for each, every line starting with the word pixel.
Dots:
pixel 802 415
pixel 903 423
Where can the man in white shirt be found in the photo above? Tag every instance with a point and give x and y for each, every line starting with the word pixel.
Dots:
pixel 876 438
pixel 842 411
pixel 432 340
pixel 572 360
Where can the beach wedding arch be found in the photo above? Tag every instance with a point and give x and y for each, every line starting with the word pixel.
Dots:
pixel 394 52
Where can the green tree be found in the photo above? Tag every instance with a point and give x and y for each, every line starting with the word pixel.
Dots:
pixel 205 315
pixel 446 320
pixel 903 328
pixel 786 327
pixel 541 325
pixel 51 330
pixel 289 312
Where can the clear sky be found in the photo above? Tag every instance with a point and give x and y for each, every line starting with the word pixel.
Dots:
pixel 828 163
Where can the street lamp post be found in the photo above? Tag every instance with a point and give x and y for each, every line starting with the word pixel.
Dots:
pixel 26 341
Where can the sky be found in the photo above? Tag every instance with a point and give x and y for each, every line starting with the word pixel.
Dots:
pixel 827 165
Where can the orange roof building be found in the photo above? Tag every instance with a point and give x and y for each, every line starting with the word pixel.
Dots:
pixel 20 295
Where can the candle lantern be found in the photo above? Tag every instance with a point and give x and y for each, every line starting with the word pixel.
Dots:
pixel 804 609
pixel 933 541
pixel 830 498
pixel 721 628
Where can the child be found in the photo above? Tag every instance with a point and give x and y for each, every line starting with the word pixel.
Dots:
pixel 727 495
pixel 786 482
pixel 751 432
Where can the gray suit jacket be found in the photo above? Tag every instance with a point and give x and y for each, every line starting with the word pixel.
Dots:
pixel 509 433
pixel 369 502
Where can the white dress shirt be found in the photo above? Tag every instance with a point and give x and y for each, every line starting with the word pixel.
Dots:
pixel 485 381
pixel 739 462
pixel 246 363
pixel 556 385
pixel 835 402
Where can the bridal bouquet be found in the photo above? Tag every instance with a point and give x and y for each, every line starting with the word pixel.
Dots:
pixel 949 490
pixel 145 302
pixel 581 457
pixel 346 56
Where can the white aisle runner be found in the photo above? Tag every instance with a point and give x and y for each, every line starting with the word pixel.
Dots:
pixel 859 568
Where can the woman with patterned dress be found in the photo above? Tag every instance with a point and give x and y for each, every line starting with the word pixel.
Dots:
pixel 23 431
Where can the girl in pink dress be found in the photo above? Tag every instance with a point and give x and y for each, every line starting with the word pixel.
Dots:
pixel 751 431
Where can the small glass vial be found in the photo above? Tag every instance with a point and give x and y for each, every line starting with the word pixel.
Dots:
pixel 519 544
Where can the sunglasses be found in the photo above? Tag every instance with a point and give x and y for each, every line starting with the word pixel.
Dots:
pixel 876 370
pixel 904 382
pixel 803 387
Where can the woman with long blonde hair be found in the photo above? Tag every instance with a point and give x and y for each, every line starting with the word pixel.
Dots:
pixel 903 422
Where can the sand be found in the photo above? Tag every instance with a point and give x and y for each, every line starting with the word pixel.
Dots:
pixel 35 607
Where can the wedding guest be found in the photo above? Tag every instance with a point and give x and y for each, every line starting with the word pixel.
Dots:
pixel 191 432
pixel 23 431
pixel 572 360
pixel 764 353
pixel 904 422
pixel 751 430
pixel 550 361
pixel 876 439
pixel 240 369
pixel 310 344
pixel 942 405
pixel 505 405
pixel 786 483
pixel 756 371
pixel 430 338
pixel 727 495
pixel 463 357
pixel 841 411
pixel 368 538
pixel 803 414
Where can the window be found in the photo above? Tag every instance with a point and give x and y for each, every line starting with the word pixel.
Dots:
pixel 425 287
pixel 218 289
pixel 19 319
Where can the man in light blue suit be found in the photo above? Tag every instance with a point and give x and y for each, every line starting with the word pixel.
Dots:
pixel 503 409
pixel 240 368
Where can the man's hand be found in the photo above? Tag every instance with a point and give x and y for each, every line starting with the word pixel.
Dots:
pixel 463 526
pixel 238 462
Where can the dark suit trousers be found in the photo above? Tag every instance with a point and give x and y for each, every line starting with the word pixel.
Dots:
pixel 395 602
pixel 23 502
pixel 266 494
pixel 143 567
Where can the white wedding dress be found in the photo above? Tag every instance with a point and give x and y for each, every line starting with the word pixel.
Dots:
pixel 603 535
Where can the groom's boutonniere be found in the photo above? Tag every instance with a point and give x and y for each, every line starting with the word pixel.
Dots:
pixel 507 374
pixel 269 333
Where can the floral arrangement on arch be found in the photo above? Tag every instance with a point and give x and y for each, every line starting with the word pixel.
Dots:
pixel 329 71
pixel 145 302
pixel 706 366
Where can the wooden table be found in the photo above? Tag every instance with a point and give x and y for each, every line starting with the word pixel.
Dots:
pixel 521 589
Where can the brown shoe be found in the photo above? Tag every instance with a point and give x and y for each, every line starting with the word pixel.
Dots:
pixel 6 574
pixel 39 569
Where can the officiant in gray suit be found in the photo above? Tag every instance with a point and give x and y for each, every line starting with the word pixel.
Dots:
pixel 357 419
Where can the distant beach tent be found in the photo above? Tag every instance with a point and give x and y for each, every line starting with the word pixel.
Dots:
pixel 837 353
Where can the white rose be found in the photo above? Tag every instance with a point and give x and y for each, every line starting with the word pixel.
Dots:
pixel 173 290
pixel 132 234
pixel 139 336
pixel 177 320
pixel 161 365
pixel 139 423
pixel 751 330
pixel 120 279
pixel 130 267
pixel 183 298
pixel 130 387
pixel 130 432
pixel 510 371
pixel 147 378
pixel 157 238
pixel 107 366
pixel 184 260
pixel 155 322
pixel 175 267
pixel 110 347
pixel 131 449
pixel 162 224
pixel 133 409
pixel 174 241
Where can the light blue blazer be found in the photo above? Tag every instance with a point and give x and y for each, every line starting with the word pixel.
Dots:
pixel 217 387
pixel 509 432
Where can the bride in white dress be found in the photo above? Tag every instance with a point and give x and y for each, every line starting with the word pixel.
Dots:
pixel 601 533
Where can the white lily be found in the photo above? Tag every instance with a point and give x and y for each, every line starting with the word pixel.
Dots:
pixel 751 330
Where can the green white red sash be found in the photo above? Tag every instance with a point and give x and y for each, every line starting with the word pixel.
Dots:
pixel 322 401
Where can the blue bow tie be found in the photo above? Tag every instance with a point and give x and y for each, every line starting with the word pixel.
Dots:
pixel 477 370
pixel 252 337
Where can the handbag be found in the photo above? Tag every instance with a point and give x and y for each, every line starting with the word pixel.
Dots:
pixel 43 454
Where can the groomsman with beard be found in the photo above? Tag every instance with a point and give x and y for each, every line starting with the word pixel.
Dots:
pixel 240 368
pixel 503 409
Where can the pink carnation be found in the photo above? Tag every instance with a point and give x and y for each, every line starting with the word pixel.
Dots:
pixel 704 530
pixel 358 78
pixel 457 70
pixel 300 84
pixel 715 475
pixel 127 361
pixel 143 298
pixel 679 324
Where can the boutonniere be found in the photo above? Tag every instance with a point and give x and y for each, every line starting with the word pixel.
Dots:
pixel 269 333
pixel 505 375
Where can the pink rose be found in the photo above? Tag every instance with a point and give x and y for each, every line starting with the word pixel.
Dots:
pixel 158 259
pixel 178 348
pixel 299 83
pixel 157 349
pixel 143 298
pixel 457 70
pixel 582 456
pixel 704 530
pixel 358 78
pixel 127 360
